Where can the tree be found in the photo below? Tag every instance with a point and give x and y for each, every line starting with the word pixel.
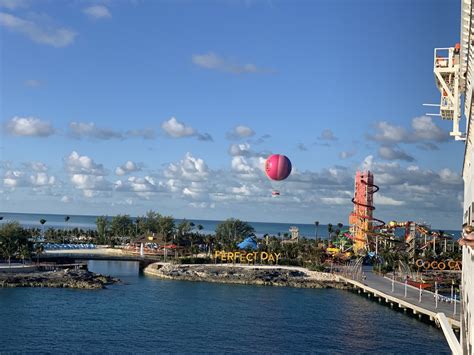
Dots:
pixel 102 224
pixel 42 221
pixel 151 221
pixel 232 230
pixel 11 237
pixel 330 230
pixel 39 249
pixel 316 223
pixel 166 226
pixel 121 225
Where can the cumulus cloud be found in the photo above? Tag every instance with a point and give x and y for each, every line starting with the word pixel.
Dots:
pixel 28 127
pixel 143 187
pixel 48 35
pixel 31 176
pixel 87 176
pixel 176 129
pixel 213 61
pixel 190 168
pixel 82 164
pixel 394 153
pixel 127 168
pixel 239 132
pixel 97 12
pixel 422 129
pixel 90 130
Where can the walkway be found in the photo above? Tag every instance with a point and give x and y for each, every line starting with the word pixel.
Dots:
pixel 381 287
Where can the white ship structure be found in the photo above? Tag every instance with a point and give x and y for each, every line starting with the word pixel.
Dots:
pixel 454 75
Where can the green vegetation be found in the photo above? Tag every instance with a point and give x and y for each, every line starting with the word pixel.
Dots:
pixel 14 242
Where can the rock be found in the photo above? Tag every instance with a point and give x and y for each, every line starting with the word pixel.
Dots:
pixel 277 276
pixel 82 279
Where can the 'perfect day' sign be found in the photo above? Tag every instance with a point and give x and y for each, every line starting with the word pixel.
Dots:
pixel 246 257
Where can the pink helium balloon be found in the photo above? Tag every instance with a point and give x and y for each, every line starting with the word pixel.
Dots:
pixel 277 167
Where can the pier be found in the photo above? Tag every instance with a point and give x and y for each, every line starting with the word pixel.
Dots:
pixel 424 305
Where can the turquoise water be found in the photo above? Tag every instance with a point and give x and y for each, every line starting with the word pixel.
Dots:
pixel 152 315
pixel 88 222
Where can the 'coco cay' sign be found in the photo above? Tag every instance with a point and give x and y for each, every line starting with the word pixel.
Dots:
pixel 246 257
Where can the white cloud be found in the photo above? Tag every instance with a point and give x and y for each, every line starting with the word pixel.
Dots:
pixel 240 131
pixel 347 154
pixel 56 37
pixel 90 184
pixel 77 164
pixel 37 166
pixel 127 168
pixel 38 180
pixel 90 130
pixel 335 200
pixel 28 127
pixel 143 187
pixel 176 129
pixel 97 12
pixel 213 61
pixel 42 179
pixel 14 178
pixel 66 199
pixel 450 177
pixel 190 168
pixel 423 130
pixel 145 133
pixel 387 201
pixel 394 153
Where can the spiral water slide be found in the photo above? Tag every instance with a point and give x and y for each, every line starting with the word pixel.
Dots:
pixel 362 218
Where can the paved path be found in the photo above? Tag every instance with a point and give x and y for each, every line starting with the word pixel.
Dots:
pixel 383 286
pixel 427 298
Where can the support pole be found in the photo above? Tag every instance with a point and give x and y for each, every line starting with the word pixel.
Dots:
pixel 393 283
pixel 454 312
pixel 436 294
pixel 419 298
pixel 406 283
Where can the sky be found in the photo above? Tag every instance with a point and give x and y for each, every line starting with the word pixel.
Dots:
pixel 119 107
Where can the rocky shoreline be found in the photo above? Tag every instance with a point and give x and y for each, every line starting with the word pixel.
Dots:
pixel 80 279
pixel 247 275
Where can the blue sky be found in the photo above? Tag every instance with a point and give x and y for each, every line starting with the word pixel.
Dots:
pixel 121 106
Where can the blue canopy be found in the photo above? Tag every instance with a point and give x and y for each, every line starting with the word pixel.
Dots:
pixel 248 243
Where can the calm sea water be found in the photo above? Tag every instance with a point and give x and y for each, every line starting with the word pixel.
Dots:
pixel 88 222
pixel 152 315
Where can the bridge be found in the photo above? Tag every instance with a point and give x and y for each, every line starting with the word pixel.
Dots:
pixel 65 256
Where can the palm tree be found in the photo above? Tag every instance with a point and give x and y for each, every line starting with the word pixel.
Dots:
pixel 330 230
pixel 316 223
pixel 39 248
pixel 65 221
pixel 42 221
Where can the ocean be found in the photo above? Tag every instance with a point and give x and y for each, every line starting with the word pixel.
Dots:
pixel 209 226
pixel 149 315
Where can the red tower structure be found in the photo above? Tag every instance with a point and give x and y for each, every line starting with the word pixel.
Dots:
pixel 361 219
